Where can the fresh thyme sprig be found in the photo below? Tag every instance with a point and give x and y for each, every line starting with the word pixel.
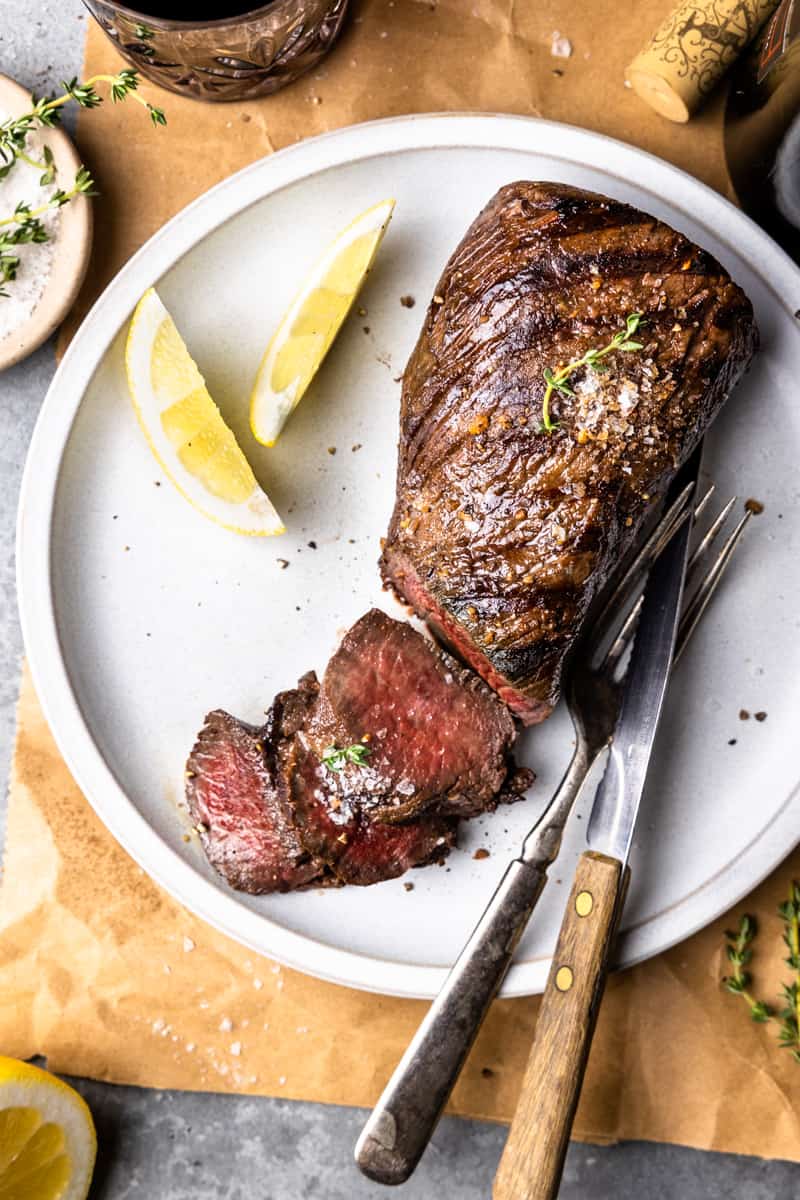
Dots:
pixel 790 1014
pixel 28 227
pixel 556 381
pixel 739 954
pixel 336 760
pixel 45 113
pixel 26 216
pixel 28 231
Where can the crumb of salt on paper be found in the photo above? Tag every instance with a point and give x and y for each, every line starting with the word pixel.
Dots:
pixel 560 47
pixel 236 1048
pixel 188 945
pixel 225 1025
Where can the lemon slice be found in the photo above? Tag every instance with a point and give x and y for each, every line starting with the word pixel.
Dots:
pixel 185 430
pixel 47 1138
pixel 315 316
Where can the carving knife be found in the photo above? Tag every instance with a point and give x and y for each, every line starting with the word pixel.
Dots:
pixel 533 1159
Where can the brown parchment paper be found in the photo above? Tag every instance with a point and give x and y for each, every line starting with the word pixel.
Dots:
pixel 106 975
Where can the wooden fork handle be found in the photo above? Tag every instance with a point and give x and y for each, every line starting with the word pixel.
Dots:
pixel 533 1159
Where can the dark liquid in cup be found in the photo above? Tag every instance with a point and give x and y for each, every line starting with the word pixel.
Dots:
pixel 186 10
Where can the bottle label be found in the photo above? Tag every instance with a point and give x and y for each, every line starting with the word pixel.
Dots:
pixel 782 29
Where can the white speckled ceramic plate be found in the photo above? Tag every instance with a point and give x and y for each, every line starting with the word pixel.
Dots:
pixel 139 615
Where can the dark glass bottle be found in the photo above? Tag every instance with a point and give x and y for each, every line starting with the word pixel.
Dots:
pixel 762 129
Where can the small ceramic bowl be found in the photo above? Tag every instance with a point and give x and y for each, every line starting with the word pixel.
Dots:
pixel 71 249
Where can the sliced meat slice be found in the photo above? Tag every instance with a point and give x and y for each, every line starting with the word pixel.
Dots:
pixel 274 815
pixel 244 829
pixel 436 734
pixel 339 831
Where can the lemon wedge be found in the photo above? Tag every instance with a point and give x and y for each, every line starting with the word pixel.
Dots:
pixel 47 1138
pixel 185 430
pixel 315 316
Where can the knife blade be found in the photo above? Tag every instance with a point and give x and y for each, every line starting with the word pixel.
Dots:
pixel 619 794
pixel 533 1158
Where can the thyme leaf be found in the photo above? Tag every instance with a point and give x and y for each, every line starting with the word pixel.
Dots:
pixel 336 760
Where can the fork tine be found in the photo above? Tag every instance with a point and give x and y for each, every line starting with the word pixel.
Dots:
pixel 699 601
pixel 658 538
pixel 700 507
pixel 628 626
pixel 711 535
pixel 637 571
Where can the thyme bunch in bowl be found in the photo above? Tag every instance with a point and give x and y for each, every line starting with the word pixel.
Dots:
pixel 739 952
pixel 25 224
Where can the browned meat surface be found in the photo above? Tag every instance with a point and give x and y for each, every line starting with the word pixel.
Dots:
pixel 503 533
pixel 275 816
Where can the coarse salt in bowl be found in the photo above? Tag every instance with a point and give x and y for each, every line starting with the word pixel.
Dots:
pixel 50 273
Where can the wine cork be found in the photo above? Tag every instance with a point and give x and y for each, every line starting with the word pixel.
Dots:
pixel 691 51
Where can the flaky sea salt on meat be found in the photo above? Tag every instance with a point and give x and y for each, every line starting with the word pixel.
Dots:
pixel 605 403
pixel 628 396
pixel 589 385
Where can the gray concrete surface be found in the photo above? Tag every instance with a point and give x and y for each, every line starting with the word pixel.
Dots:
pixel 180 1146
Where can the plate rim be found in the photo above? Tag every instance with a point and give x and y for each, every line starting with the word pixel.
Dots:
pixel 210 900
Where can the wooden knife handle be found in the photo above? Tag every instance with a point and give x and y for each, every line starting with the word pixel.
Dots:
pixel 533 1159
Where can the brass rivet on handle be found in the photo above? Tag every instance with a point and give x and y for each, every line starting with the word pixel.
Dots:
pixel 564 979
pixel 584 904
